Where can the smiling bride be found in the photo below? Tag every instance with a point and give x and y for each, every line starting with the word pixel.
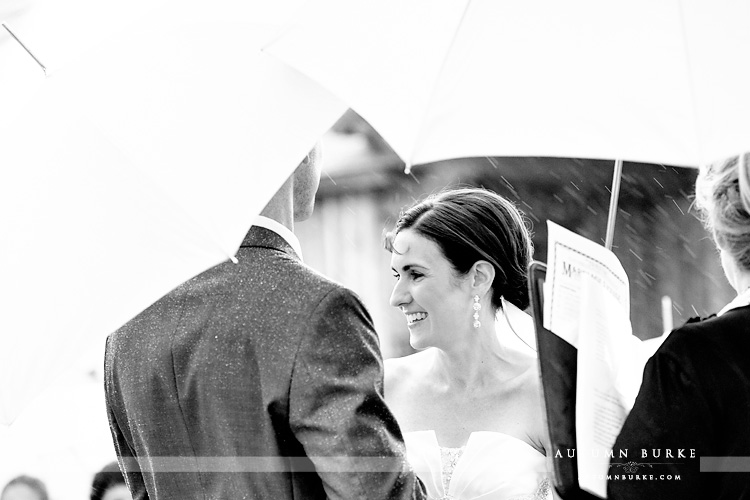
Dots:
pixel 469 402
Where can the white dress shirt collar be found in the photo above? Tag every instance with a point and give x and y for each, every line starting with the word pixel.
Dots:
pixel 741 300
pixel 281 230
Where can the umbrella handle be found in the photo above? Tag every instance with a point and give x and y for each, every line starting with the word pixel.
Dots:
pixel 616 177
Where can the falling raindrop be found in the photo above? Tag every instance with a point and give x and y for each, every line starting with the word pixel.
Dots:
pixel 662 211
pixel 635 254
pixel 510 186
pixel 572 193
pixel 678 207
pixel 329 177
pixel 689 251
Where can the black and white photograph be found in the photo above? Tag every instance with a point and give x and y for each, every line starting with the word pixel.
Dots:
pixel 406 249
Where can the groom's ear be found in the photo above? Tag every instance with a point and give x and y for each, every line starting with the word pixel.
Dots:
pixel 482 275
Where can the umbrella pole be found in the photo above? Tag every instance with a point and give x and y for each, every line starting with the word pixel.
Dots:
pixel 616 177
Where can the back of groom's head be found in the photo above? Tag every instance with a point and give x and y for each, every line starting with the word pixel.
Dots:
pixel 306 179
pixel 295 199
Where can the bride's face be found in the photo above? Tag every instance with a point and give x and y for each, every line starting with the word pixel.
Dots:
pixel 436 303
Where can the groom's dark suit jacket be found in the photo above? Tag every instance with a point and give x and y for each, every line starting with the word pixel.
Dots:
pixel 261 379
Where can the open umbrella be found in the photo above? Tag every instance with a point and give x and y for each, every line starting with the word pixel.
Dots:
pixel 641 81
pixel 656 82
pixel 136 162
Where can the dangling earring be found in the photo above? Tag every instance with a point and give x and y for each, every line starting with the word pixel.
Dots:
pixel 477 307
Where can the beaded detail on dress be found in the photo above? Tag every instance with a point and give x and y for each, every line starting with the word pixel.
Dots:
pixel 448 459
pixel 544 492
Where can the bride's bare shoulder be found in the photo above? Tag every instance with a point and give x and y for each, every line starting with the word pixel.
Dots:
pixel 405 370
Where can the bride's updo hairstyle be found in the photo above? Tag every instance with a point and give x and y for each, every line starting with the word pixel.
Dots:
pixel 471 225
pixel 722 194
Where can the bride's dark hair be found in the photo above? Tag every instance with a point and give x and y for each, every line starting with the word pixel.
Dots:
pixel 474 224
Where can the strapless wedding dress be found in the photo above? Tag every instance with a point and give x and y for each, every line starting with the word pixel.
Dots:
pixel 491 466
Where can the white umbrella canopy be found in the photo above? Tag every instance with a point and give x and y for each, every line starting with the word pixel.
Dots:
pixel 135 165
pixel 645 81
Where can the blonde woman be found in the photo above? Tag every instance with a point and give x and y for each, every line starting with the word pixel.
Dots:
pixel 688 431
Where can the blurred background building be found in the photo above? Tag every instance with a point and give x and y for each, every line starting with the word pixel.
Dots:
pixel 660 242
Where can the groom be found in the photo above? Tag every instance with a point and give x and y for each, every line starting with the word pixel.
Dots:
pixel 256 380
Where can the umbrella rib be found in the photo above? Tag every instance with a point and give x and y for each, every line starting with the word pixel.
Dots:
pixel 431 98
pixel 25 48
pixel 691 86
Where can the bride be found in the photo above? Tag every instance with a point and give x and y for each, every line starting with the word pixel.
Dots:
pixel 469 402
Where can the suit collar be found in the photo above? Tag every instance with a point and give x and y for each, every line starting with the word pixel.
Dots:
pixel 280 229
pixel 266 238
pixel 743 299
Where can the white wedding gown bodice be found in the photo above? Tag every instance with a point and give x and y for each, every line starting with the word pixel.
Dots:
pixel 491 466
